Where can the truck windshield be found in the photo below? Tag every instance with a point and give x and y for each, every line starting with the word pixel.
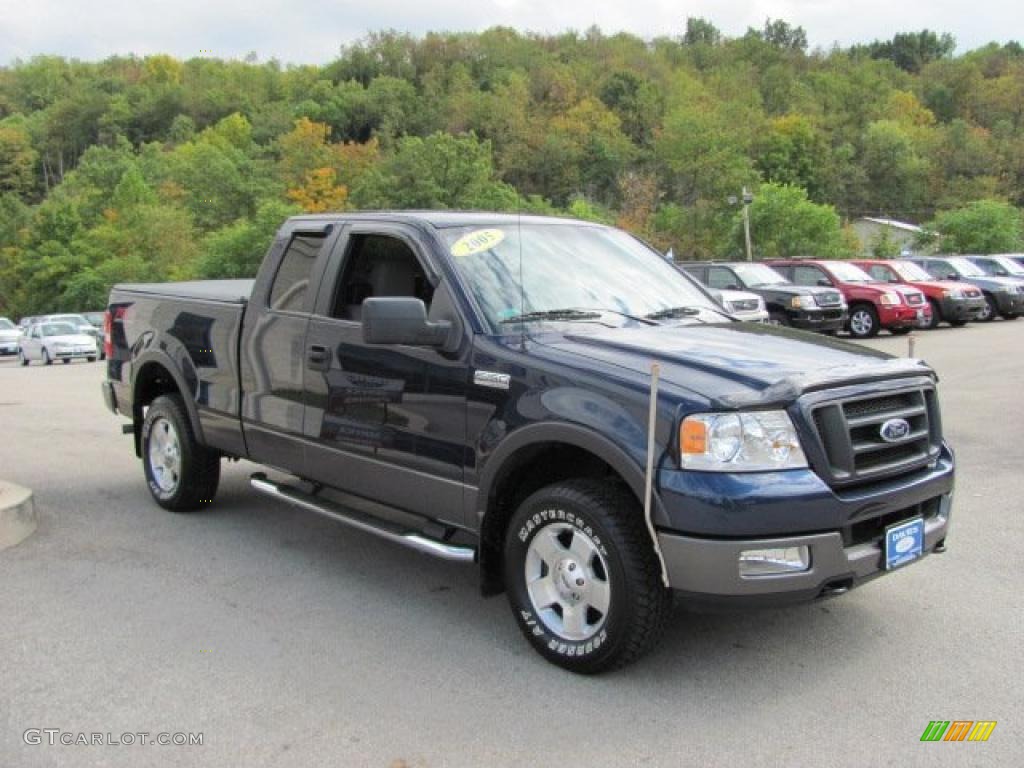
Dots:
pixel 562 272
pixel 5 324
pixel 756 275
pixel 966 267
pixel 908 270
pixel 1008 264
pixel 849 273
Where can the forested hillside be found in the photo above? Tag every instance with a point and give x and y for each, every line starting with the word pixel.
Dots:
pixel 155 168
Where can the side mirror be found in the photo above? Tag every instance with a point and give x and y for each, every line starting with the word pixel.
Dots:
pixel 952 276
pixel 824 282
pixel 1001 272
pixel 894 280
pixel 401 320
pixel 733 287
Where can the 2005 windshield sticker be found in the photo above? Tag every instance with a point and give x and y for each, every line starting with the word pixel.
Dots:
pixel 477 241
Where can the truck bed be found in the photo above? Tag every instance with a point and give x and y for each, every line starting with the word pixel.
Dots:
pixel 228 291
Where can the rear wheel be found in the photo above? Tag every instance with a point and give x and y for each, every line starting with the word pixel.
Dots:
pixel 936 317
pixel 582 576
pixel 863 321
pixel 182 474
pixel 989 311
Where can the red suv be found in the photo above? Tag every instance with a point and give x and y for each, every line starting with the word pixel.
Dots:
pixel 873 305
pixel 955 302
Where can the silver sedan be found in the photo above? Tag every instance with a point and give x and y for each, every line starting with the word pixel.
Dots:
pixel 47 342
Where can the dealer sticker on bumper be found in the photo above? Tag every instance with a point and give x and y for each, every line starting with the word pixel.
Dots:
pixel 904 543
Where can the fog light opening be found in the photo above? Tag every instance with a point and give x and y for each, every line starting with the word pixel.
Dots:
pixel 773 562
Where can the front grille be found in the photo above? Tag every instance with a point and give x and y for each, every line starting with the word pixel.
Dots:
pixel 853 449
pixel 828 299
pixel 915 299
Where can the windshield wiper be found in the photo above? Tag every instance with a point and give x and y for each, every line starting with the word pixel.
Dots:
pixel 553 314
pixel 673 312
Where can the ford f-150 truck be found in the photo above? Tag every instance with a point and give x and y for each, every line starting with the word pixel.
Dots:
pixel 548 399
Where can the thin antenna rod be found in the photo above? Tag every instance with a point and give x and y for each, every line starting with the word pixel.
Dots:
pixel 522 287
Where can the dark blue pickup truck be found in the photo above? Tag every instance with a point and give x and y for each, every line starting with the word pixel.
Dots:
pixel 548 399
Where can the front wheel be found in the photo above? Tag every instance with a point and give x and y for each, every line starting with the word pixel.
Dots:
pixel 863 322
pixel 582 576
pixel 21 356
pixel 936 317
pixel 46 357
pixel 182 474
pixel 779 318
pixel 1010 316
pixel 989 311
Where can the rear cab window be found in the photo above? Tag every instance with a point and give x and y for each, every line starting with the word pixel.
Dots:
pixel 290 289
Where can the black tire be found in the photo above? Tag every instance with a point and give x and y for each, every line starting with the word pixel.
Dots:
pixel 66 360
pixel 46 357
pixel 198 472
pixel 606 517
pixel 958 323
pixel 988 314
pixel 900 331
pixel 91 358
pixel 936 315
pixel 1010 316
pixel 21 356
pixel 779 318
pixel 863 321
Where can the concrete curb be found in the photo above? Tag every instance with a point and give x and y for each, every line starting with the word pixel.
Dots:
pixel 17 514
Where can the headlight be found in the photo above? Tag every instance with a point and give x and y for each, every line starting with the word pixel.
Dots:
pixel 803 301
pixel 953 293
pixel 889 299
pixel 754 441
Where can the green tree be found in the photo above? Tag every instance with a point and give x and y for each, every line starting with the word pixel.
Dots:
pixel 17 159
pixel 984 226
pixel 440 171
pixel 784 223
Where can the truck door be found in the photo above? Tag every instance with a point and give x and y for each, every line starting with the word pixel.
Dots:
pixel 384 422
pixel 273 346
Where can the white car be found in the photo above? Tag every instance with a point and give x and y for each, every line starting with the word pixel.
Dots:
pixel 47 342
pixel 9 335
pixel 82 325
pixel 748 307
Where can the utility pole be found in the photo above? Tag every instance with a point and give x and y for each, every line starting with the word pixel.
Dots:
pixel 748 198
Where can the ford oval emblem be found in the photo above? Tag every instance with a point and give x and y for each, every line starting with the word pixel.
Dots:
pixel 894 430
pixel 905 544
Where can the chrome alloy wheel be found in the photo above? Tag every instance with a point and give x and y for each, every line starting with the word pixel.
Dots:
pixel 164 455
pixel 567 580
pixel 861 322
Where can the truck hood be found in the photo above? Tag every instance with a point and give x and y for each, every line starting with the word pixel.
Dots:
pixel 737 364
pixel 9 334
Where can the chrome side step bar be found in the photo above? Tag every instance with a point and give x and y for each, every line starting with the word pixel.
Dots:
pixel 362 521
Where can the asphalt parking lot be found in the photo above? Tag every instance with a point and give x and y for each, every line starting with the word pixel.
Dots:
pixel 288 640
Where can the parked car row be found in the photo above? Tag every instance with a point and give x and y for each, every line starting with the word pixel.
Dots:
pixel 865 296
pixel 47 338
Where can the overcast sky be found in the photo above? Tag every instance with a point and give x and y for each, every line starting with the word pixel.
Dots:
pixel 311 31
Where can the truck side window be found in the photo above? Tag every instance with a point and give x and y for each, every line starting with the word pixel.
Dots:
pixel 805 275
pixel 879 273
pixel 378 265
pixel 720 277
pixel 291 282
